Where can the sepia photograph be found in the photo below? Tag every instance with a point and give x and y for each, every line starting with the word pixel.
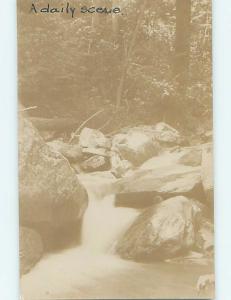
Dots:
pixel 115 113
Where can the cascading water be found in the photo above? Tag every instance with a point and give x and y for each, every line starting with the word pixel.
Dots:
pixel 86 264
pixel 103 223
pixel 92 271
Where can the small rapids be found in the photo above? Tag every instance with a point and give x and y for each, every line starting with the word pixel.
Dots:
pixel 103 223
pixel 93 271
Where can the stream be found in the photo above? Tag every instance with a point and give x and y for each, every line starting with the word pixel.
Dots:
pixel 93 271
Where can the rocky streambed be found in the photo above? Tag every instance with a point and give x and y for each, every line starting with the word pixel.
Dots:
pixel 125 216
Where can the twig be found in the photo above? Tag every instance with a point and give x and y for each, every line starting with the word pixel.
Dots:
pixel 28 108
pixel 84 123
pixel 106 123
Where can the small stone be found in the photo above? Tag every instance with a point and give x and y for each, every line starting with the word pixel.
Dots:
pixel 95 163
pixel 166 134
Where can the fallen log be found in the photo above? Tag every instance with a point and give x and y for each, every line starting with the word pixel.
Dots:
pixel 54 124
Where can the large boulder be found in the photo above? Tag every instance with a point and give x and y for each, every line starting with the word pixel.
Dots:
pixel 167 181
pixel 135 146
pixel 162 231
pixel 31 249
pixel 162 175
pixel 49 189
pixel 207 172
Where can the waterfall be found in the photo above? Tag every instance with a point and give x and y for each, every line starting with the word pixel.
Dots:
pixel 66 274
pixel 93 271
pixel 103 223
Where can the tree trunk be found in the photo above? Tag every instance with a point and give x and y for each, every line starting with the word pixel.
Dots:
pixel 182 45
pixel 128 54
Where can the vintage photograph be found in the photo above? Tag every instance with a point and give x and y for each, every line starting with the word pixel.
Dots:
pixel 115 138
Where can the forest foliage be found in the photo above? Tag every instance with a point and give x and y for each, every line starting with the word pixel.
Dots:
pixel 121 64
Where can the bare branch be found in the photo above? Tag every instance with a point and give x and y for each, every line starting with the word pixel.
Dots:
pixel 84 123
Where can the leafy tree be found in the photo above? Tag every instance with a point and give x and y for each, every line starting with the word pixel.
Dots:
pixel 151 63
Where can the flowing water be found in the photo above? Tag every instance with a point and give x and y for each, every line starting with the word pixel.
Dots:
pixel 103 223
pixel 92 271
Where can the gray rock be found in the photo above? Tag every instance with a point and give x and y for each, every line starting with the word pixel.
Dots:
pixel 95 163
pixel 72 152
pixel 170 180
pixel 31 249
pixel 162 231
pixel 49 189
pixel 135 146
pixel 92 138
pixel 166 134
pixel 119 167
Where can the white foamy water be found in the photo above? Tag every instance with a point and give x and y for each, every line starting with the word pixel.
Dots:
pixel 61 275
pixel 103 223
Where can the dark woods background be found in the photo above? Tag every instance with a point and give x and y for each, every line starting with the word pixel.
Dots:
pixel 153 63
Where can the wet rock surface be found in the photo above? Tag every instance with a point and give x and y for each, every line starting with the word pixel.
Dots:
pixel 49 190
pixel 162 231
pixel 166 181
